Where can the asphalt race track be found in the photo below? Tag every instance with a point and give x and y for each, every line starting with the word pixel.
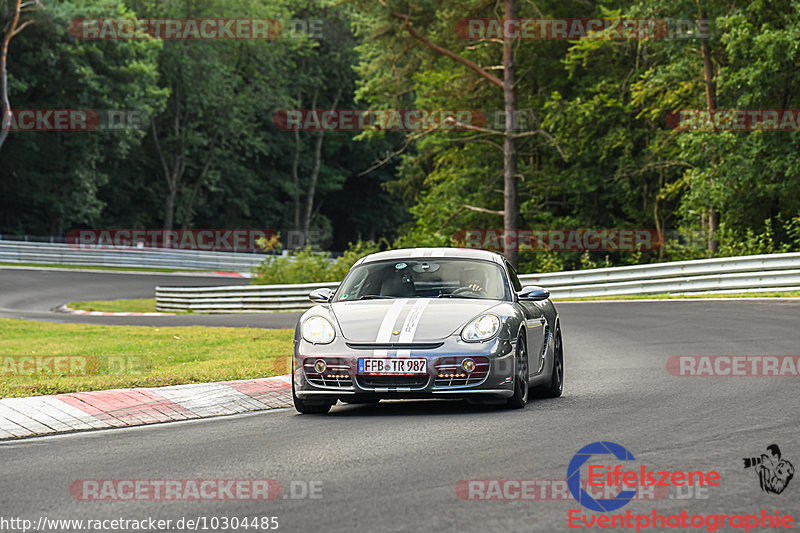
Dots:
pixel 32 294
pixel 396 466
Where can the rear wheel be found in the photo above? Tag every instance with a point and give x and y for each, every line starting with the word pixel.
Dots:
pixel 520 397
pixel 310 408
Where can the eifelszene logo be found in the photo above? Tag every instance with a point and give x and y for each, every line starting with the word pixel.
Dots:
pixel 574 476
pixel 774 473
pixel 606 476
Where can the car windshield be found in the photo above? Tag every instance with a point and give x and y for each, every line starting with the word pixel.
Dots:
pixel 429 278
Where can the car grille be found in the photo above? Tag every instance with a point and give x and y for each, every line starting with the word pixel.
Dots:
pixel 394 345
pixel 337 375
pixel 450 373
pixel 378 382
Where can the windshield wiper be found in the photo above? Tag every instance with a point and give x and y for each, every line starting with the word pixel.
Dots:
pixel 450 295
pixel 375 297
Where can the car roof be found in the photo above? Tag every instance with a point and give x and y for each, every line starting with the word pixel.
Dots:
pixel 431 253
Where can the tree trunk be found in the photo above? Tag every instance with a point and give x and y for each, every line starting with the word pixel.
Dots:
pixel 169 209
pixel 659 225
pixel 510 201
pixel 312 185
pixel 296 182
pixel 510 204
pixel 711 102
pixel 713 225
pixel 11 31
pixel 188 205
pixel 171 175
pixel 295 172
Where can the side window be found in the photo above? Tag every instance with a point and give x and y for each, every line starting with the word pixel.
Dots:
pixel 514 279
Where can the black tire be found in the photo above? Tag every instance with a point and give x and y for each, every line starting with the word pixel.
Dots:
pixel 309 408
pixel 521 389
pixel 556 385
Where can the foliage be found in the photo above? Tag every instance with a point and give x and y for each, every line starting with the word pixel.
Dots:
pixel 220 162
pixel 595 146
pixel 309 266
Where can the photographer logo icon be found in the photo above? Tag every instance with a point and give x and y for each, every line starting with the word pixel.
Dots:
pixel 774 472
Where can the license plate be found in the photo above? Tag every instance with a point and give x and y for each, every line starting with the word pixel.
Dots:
pixel 387 367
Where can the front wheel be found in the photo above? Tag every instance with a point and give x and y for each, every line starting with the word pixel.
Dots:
pixel 309 408
pixel 520 397
pixel 556 385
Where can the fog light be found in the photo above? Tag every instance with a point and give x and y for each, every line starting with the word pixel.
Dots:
pixel 320 366
pixel 468 365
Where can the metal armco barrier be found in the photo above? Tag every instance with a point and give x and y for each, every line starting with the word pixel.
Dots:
pixel 729 274
pixel 237 299
pixel 64 254
pixel 753 273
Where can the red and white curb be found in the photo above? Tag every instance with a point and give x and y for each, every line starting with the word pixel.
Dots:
pixel 61 413
pixel 65 309
pixel 232 274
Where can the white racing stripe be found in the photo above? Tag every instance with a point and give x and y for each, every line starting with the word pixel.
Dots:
pixel 411 324
pixel 387 325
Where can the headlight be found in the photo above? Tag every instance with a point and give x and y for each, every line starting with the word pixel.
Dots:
pixel 482 328
pixel 317 330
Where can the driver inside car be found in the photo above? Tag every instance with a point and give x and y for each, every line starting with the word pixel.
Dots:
pixel 474 280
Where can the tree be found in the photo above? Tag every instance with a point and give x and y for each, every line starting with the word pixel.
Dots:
pixel 507 85
pixel 50 180
pixel 393 73
pixel 12 9
pixel 210 115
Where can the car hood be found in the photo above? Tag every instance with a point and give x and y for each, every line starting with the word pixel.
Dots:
pixel 414 319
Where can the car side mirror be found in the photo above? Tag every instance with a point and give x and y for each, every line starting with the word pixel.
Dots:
pixel 320 296
pixel 532 293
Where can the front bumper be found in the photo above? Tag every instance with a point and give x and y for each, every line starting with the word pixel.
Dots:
pixel 493 377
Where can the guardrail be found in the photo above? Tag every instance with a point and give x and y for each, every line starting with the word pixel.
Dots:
pixel 756 273
pixel 237 299
pixel 65 254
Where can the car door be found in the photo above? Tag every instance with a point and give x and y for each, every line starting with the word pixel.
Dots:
pixel 535 325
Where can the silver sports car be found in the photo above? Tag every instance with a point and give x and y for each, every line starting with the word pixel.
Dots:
pixel 428 323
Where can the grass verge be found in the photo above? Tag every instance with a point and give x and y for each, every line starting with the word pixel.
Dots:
pixel 141 305
pixel 776 294
pixel 132 356
pixel 99 267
